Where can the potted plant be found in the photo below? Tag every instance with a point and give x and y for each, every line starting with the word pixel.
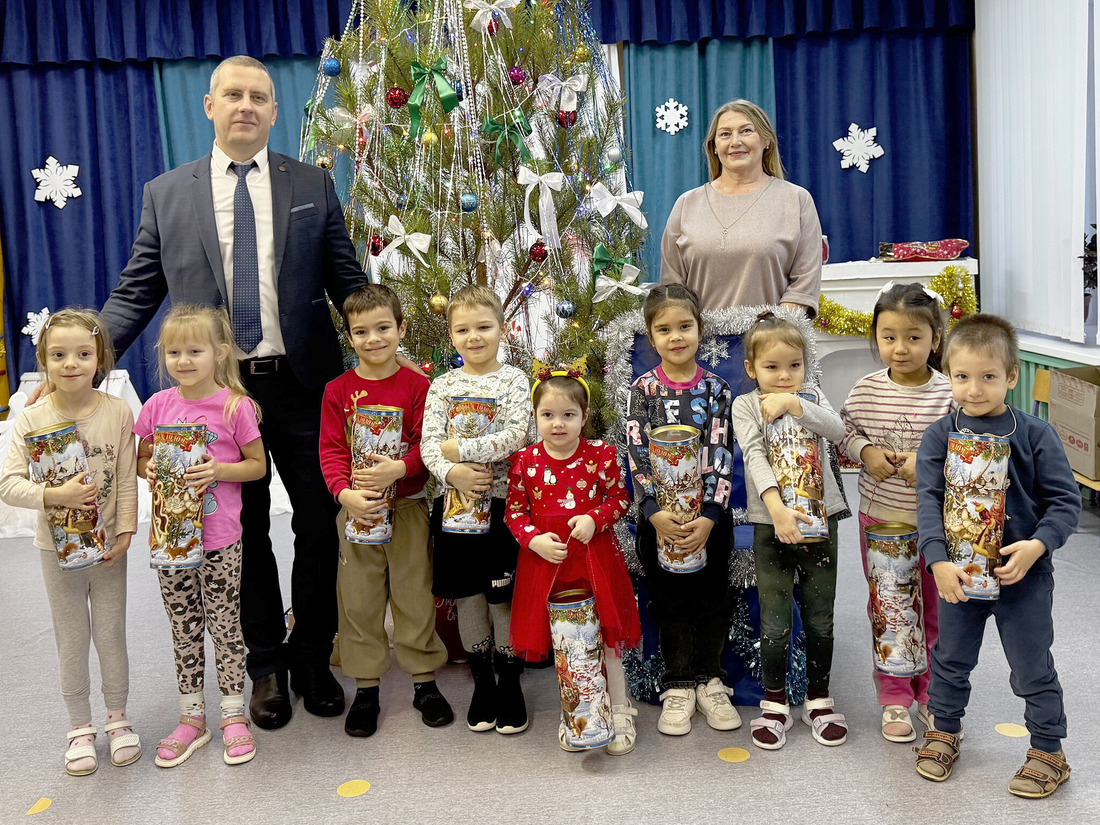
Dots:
pixel 1088 269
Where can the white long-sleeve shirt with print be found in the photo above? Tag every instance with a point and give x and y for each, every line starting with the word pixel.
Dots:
pixel 511 389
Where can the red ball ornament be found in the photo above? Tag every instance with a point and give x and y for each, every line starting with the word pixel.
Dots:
pixel 376 244
pixel 397 97
pixel 956 312
pixel 538 252
pixel 517 75
pixel 492 26
pixel 566 119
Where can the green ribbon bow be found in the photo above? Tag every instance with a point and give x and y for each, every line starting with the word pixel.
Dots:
pixel 515 128
pixel 602 259
pixel 447 95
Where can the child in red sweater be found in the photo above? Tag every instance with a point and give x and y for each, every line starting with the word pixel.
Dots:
pixel 400 570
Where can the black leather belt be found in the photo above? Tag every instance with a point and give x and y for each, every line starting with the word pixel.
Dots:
pixel 264 366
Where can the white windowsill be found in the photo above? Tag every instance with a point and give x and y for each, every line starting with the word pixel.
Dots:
pixel 1088 354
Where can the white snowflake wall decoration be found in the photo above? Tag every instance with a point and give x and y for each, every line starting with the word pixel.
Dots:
pixel 35 322
pixel 56 183
pixel 858 148
pixel 714 351
pixel 672 116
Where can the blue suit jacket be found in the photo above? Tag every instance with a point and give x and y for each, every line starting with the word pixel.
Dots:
pixel 176 253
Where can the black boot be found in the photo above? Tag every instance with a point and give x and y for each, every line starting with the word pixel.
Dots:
pixel 511 709
pixel 482 715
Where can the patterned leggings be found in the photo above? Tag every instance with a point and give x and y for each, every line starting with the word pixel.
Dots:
pixel 201 598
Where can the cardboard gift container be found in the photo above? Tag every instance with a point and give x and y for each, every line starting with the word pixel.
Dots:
pixel 1075 414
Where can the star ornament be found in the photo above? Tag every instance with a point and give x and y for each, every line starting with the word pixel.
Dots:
pixel 56 183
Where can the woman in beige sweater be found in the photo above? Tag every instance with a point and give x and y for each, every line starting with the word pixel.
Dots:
pixel 748 237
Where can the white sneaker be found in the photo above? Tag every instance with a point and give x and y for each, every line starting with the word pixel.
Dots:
pixel 625 732
pixel 713 699
pixel 676 712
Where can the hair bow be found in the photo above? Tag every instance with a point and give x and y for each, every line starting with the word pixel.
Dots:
pixel 631 203
pixel 551 86
pixel 417 242
pixel 484 12
pixel 577 370
pixel 931 293
pixel 548 215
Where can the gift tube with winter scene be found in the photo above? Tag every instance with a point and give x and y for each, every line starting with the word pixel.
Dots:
pixel 578 659
pixel 57 454
pixel 897 605
pixel 175 529
pixel 976 472
pixel 375 430
pixel 678 482
pixel 468 418
pixel 795 456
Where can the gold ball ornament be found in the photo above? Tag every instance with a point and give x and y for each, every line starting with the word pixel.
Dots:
pixel 437 304
pixel 325 161
pixel 429 138
pixel 581 54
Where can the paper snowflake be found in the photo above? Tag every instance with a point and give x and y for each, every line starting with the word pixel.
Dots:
pixel 714 351
pixel 56 182
pixel 35 322
pixel 672 116
pixel 859 148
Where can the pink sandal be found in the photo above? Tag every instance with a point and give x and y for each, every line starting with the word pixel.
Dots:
pixel 181 751
pixel 231 742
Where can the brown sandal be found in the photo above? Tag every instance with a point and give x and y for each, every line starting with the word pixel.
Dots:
pixel 180 751
pixel 937 757
pixel 237 741
pixel 1040 776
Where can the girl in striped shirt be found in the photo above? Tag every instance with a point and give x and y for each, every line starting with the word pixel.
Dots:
pixel 885 417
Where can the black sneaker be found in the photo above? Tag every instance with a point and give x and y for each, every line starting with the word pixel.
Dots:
pixel 362 718
pixel 434 708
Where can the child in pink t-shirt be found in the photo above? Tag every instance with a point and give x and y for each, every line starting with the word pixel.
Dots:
pixel 196 349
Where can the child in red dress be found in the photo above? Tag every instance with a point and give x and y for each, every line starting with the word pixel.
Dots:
pixel 565 493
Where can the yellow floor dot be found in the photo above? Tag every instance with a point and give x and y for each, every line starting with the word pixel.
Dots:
pixel 733 754
pixel 355 787
pixel 1009 729
pixel 39 806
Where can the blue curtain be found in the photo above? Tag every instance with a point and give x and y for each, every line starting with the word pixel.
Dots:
pixel 61 31
pixel 701 76
pixel 670 21
pixel 102 118
pixel 915 89
pixel 189 135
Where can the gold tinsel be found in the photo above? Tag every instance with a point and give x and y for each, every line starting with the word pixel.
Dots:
pixel 955 284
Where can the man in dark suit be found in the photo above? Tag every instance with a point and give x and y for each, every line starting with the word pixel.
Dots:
pixel 263 235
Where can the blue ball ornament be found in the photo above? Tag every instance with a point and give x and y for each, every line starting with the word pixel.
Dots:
pixel 331 66
pixel 460 89
pixel 402 202
pixel 469 201
pixel 565 309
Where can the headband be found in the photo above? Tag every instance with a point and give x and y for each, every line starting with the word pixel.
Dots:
pixel 577 370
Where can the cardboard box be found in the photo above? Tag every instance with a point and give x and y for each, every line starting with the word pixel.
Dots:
pixel 1075 414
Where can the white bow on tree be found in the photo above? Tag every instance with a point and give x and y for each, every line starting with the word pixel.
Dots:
pixel 417 242
pixel 484 13
pixel 631 203
pixel 551 86
pixel 606 285
pixel 548 216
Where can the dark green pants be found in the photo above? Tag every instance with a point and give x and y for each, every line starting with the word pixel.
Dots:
pixel 776 564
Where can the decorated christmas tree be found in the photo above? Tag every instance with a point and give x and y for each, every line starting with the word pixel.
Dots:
pixel 481 142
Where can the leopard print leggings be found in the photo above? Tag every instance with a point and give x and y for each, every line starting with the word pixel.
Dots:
pixel 207 598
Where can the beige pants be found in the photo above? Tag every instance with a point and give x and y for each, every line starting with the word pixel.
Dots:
pixel 400 573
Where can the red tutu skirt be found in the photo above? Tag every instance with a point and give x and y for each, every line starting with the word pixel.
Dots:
pixel 599 566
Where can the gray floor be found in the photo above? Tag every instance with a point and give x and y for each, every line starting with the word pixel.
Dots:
pixel 417 774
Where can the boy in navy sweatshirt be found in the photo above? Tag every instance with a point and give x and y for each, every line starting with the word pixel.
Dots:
pixel 981 360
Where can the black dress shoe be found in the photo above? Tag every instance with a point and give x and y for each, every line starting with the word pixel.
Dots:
pixel 270 703
pixel 362 719
pixel 321 693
